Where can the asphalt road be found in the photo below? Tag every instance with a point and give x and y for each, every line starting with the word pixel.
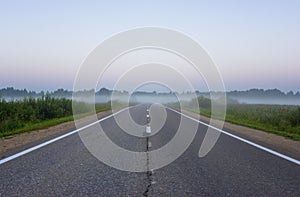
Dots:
pixel 232 168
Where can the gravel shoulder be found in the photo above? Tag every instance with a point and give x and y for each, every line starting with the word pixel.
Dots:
pixel 18 142
pixel 275 142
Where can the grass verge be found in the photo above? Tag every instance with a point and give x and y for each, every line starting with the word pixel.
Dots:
pixel 247 121
pixel 47 123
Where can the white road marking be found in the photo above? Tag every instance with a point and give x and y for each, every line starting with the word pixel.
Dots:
pixel 243 140
pixel 149 144
pixel 148 129
pixel 55 139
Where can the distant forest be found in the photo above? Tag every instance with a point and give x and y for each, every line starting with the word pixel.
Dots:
pixel 11 92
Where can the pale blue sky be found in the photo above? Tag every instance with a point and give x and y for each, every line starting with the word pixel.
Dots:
pixel 256 44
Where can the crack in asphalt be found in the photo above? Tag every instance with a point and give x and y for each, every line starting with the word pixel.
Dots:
pixel 149 172
pixel 148 146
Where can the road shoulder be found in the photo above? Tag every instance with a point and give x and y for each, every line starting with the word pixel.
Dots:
pixel 16 143
pixel 19 142
pixel 272 141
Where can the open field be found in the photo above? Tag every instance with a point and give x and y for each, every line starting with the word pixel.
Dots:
pixel 283 120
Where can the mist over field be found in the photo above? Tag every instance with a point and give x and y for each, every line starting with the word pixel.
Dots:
pixel 252 96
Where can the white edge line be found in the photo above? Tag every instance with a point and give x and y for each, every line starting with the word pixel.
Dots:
pixel 56 139
pixel 243 140
pixel 98 121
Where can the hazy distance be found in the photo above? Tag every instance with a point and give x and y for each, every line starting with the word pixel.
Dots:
pixel 255 44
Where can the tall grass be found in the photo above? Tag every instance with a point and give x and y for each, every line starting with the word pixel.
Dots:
pixel 28 114
pixel 279 119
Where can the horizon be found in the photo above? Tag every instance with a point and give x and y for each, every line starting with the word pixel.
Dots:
pixel 144 90
pixel 104 95
pixel 254 44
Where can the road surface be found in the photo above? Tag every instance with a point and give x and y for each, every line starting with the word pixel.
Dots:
pixel 232 168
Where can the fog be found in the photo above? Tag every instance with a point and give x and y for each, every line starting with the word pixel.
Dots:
pixel 268 101
pixel 165 98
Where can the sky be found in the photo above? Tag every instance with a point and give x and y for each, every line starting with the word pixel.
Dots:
pixel 255 44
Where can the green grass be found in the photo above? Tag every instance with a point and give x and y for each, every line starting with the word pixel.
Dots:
pixel 262 127
pixel 31 114
pixel 282 120
pixel 49 123
pixel 251 120
pixel 35 126
pixel 277 119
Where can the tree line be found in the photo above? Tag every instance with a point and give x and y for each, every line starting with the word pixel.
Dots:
pixel 11 92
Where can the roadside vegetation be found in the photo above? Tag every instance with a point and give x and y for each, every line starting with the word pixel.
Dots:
pixel 283 120
pixel 18 116
pixel 38 113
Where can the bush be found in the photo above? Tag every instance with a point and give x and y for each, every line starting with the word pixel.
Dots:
pixel 16 114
